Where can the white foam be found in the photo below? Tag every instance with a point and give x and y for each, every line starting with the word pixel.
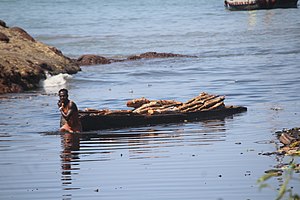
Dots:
pixel 54 83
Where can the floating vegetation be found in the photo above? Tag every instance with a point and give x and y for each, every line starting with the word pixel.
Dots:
pixel 290 140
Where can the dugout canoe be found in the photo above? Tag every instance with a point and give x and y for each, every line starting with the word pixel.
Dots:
pixel 96 121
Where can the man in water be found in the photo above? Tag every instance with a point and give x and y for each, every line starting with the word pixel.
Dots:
pixel 69 113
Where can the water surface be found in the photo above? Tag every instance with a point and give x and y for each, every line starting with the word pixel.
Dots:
pixel 250 57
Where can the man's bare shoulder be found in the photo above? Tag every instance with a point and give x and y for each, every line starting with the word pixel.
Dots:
pixel 73 105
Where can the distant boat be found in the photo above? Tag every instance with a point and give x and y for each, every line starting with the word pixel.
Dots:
pixel 259 4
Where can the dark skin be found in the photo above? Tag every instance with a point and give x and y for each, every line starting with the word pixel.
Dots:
pixel 63 102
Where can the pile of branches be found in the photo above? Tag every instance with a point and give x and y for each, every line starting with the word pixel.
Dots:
pixel 202 102
pixel 145 106
pixel 290 138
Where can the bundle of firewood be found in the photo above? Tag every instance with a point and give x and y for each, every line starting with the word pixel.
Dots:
pixel 136 103
pixel 153 106
pixel 202 102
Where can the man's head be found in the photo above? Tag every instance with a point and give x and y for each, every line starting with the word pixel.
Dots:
pixel 63 95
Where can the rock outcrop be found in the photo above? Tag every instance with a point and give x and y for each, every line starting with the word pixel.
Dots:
pixel 3 24
pixel 24 61
pixel 92 59
pixel 149 55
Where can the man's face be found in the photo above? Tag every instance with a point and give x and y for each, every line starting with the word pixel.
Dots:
pixel 63 97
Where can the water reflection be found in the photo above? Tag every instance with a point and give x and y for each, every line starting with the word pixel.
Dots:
pixel 268 17
pixel 69 157
pixel 144 143
pixel 252 19
pixel 137 143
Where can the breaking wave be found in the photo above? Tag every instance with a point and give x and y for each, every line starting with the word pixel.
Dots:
pixel 54 83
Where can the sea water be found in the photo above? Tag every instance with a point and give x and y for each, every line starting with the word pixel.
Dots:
pixel 250 57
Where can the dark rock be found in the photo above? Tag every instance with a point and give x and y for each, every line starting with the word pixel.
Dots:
pixel 3 38
pixel 91 59
pixel 3 24
pixel 23 33
pixel 46 66
pixel 148 55
pixel 24 61
pixel 18 80
pixel 8 87
pixel 57 51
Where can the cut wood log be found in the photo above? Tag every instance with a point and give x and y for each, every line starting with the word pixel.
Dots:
pixel 215 107
pixel 136 103
pixel 159 104
pixel 172 105
pixel 198 104
pixel 196 101
pixel 167 102
pixel 210 103
pixel 151 104
pixel 203 94
pixel 152 111
pixel 145 110
pixel 114 112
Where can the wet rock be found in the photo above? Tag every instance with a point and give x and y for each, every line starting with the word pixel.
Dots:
pixel 3 38
pixel 91 59
pixel 3 24
pixel 56 51
pixel 25 61
pixel 23 33
pixel 149 55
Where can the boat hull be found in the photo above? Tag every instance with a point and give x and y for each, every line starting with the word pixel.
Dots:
pixel 243 7
pixel 260 4
pixel 100 122
pixel 286 4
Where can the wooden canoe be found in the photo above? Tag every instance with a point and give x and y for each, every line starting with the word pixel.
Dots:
pixel 96 121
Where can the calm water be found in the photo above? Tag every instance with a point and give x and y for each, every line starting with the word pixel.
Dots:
pixel 251 57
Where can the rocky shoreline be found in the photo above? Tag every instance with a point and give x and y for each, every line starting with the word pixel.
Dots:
pixel 24 62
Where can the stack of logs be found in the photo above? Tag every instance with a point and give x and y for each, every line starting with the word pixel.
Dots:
pixel 202 102
pixel 144 106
